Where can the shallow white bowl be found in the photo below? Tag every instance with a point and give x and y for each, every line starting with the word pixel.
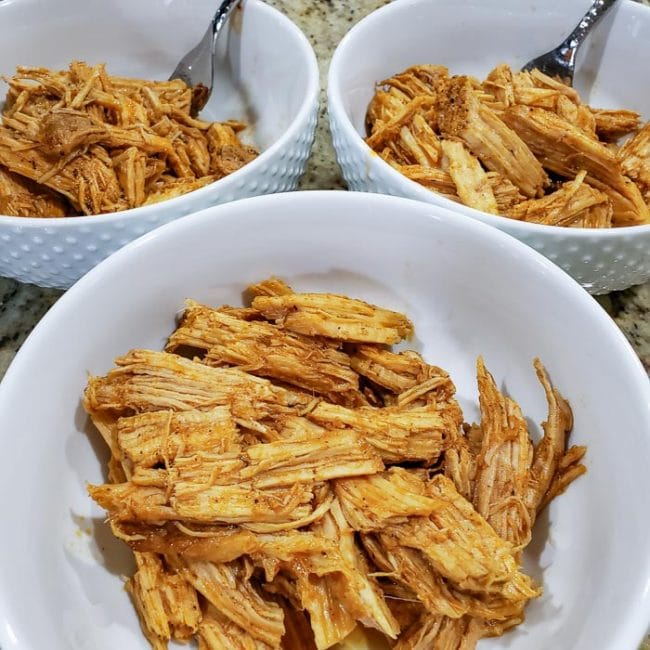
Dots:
pixel 469 289
pixel 471 37
pixel 268 76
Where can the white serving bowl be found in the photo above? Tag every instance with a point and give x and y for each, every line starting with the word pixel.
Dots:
pixel 471 37
pixel 469 289
pixel 267 76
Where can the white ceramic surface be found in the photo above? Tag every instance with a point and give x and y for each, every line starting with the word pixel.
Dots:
pixel 469 289
pixel 471 37
pixel 268 76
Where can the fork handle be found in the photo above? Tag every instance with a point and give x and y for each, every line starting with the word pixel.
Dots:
pixel 597 10
pixel 220 18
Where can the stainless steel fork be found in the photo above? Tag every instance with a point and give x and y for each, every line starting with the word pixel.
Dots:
pixel 560 62
pixel 196 68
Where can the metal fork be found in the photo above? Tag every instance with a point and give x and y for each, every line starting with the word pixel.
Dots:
pixel 196 68
pixel 560 62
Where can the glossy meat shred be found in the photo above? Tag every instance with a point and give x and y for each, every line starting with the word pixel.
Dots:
pixel 575 204
pixel 492 141
pixel 265 350
pixel 145 380
pixel 336 317
pixel 566 150
pixel 471 180
pixel 218 632
pixel 167 605
pixel 397 433
pixel 634 158
pixel 228 588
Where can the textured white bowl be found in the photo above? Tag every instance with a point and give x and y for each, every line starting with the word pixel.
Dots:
pixel 471 37
pixel 268 76
pixel 469 289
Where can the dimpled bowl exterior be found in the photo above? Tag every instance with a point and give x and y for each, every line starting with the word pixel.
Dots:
pixel 461 35
pixel 468 289
pixel 147 39
pixel 52 256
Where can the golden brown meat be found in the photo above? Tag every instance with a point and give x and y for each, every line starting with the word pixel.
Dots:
pixel 498 147
pixel 418 80
pixel 270 287
pixel 152 438
pixel 219 544
pixel 106 143
pixel 397 433
pixel 85 178
pixel 460 465
pixel 320 596
pixel 551 450
pixel 361 593
pixel 503 464
pixel 463 547
pixel 401 129
pixel 536 89
pixel 166 604
pixel 397 372
pixel 506 194
pixel 337 453
pixel 564 149
pixel 569 468
pixel 391 115
pixel 634 158
pixel 472 183
pixel 432 178
pixel 612 125
pixel 21 197
pixel 500 85
pixel 169 187
pixel 574 204
pixel 333 316
pixel 371 503
pixel 272 509
pixel 439 633
pixel 435 519
pixel 513 126
pixel 218 632
pixel 145 380
pixel 129 502
pixel 415 572
pixel 265 350
pixel 266 483
pixel 228 588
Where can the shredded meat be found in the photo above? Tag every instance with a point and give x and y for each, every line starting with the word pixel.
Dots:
pixel 499 145
pixel 298 485
pixel 81 142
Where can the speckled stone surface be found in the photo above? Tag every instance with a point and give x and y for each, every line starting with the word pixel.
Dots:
pixel 21 307
pixel 324 22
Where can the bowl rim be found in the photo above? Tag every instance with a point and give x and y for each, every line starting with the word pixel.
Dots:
pixel 418 192
pixel 633 627
pixel 295 127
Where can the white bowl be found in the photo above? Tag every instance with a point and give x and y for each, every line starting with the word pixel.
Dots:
pixel 471 37
pixel 469 289
pixel 268 76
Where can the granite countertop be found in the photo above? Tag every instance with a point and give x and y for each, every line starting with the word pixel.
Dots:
pixel 324 22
